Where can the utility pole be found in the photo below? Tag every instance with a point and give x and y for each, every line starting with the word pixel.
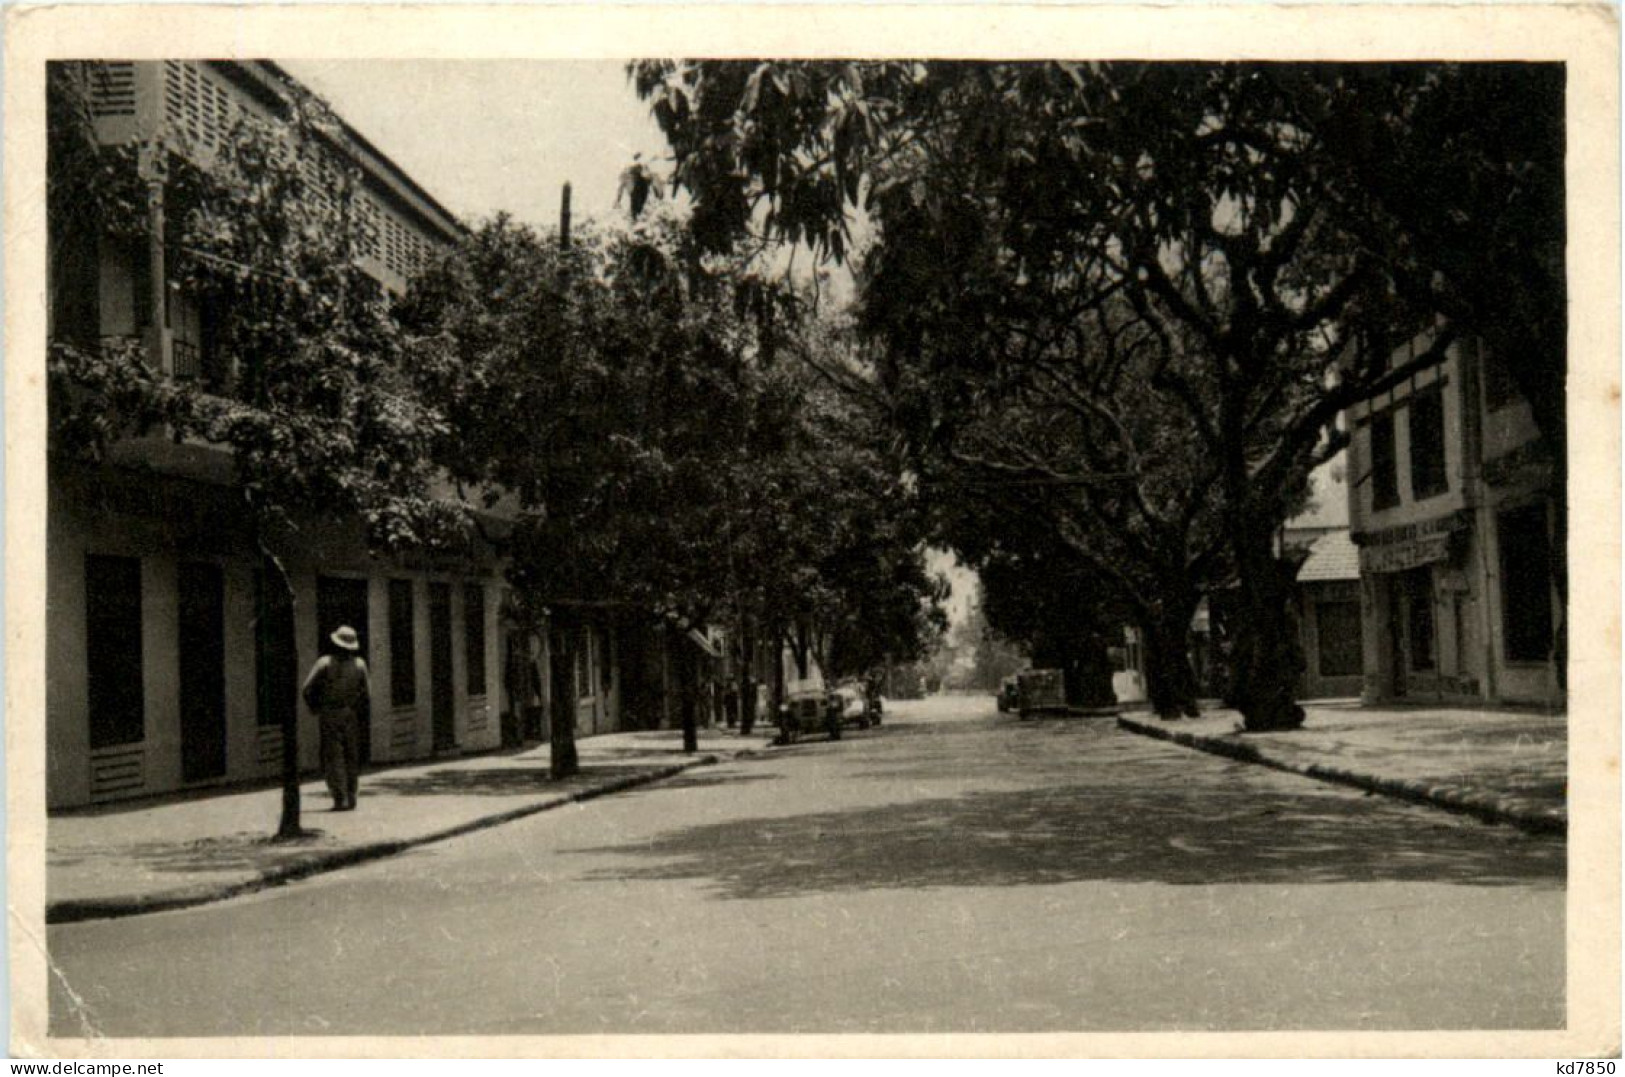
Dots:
pixel 564 219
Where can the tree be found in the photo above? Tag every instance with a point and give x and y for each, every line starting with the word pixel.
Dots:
pixel 627 393
pixel 824 542
pixel 1059 437
pixel 1219 204
pixel 307 397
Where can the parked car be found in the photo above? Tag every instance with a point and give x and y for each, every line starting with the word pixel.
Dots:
pixel 828 711
pixel 807 711
pixel 849 703
pixel 1040 691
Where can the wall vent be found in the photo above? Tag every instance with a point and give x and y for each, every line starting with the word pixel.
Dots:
pixel 118 771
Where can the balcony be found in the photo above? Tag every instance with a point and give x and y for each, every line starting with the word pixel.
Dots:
pixel 187 359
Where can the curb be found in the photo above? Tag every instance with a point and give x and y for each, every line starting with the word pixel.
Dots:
pixel 76 911
pixel 1513 811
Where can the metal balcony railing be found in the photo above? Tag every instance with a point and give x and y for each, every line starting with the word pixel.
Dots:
pixel 188 360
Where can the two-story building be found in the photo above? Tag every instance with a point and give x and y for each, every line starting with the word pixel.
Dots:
pixel 1453 509
pixel 167 668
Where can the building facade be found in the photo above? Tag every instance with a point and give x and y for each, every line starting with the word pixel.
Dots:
pixel 1454 511
pixel 170 666
pixel 1326 589
pixel 1326 604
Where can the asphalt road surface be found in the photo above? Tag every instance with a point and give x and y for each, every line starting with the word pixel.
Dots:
pixel 955 870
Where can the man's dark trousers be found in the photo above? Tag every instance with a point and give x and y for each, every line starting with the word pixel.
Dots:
pixel 341 755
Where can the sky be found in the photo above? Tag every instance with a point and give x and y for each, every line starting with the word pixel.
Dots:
pixel 484 135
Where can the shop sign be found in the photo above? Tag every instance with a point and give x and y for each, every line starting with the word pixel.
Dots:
pixel 1400 556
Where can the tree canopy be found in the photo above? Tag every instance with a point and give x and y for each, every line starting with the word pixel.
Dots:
pixel 644 406
pixel 1216 222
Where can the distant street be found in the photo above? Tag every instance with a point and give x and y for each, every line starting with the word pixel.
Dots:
pixel 955 870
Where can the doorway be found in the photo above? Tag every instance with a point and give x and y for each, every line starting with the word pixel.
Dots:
pixel 343 601
pixel 276 654
pixel 201 590
pixel 1413 632
pixel 441 697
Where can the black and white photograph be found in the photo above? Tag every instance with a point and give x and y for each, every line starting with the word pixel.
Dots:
pixel 797 541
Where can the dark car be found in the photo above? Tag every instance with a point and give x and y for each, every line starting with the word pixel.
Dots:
pixel 827 711
pixel 808 711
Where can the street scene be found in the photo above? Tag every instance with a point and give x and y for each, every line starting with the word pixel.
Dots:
pixel 770 546
pixel 953 870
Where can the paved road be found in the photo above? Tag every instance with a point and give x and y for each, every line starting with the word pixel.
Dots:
pixel 952 871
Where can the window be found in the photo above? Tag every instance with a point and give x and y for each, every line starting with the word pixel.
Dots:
pixel 112 88
pixel 124 289
pixel 1428 478
pixel 403 667
pixel 1384 469
pixel 1499 388
pixel 474 636
pixel 1337 626
pixel 583 665
pixel 341 601
pixel 196 104
pixel 1526 584
pixel 113 650
pixel 606 669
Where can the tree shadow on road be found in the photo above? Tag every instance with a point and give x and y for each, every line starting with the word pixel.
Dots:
pixel 1114 832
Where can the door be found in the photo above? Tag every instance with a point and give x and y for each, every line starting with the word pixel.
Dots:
pixel 276 655
pixel 441 699
pixel 201 589
pixel 1396 635
pixel 343 601
pixel 1420 667
pixel 113 650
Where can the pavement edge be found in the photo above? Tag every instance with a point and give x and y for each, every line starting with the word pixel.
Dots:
pixel 1486 806
pixel 79 910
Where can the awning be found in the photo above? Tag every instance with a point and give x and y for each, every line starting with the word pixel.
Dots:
pixel 1402 556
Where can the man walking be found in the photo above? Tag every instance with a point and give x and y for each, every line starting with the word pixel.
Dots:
pixel 337 692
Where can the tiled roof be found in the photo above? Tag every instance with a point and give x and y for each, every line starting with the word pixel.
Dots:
pixel 1333 557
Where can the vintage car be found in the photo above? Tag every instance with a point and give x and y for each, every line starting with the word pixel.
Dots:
pixel 849 702
pixel 808 711
pixel 827 711
pixel 1040 691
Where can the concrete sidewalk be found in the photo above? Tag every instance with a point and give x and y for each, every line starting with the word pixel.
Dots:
pixel 1500 765
pixel 123 859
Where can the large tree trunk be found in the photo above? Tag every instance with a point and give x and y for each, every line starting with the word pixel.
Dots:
pixel 561 710
pixel 1169 681
pixel 1267 658
pixel 278 588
